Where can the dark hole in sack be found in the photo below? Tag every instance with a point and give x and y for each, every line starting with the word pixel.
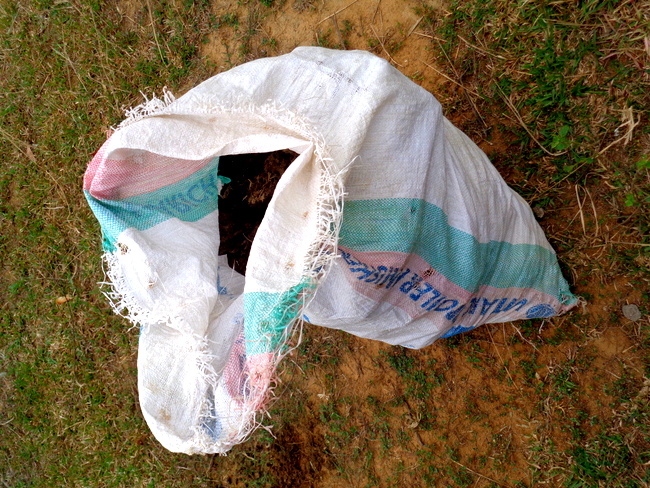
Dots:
pixel 243 201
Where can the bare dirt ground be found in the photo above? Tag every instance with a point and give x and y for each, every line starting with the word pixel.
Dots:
pixel 366 24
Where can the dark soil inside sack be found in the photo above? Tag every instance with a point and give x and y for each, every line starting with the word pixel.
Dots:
pixel 244 200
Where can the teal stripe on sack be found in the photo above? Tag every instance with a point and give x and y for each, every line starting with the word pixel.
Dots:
pixel 189 200
pixel 267 316
pixel 414 226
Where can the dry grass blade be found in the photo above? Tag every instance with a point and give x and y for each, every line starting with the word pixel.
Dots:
pixel 381 43
pixel 629 123
pixel 155 34
pixel 523 124
pixel 449 78
pixel 522 337
pixel 338 32
pixel 413 27
pixel 337 12
pixel 582 217
pixel 19 145
pixel 484 51
pixel 500 358
pixel 641 244
pixel 479 474
pixel 465 91
pixel 593 207
pixel 545 191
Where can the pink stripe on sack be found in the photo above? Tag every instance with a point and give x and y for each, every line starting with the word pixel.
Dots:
pixel 134 173
pixel 408 282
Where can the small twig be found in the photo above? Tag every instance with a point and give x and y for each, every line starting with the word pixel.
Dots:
pixel 478 474
pixel 631 347
pixel 374 15
pixel 338 11
pixel 523 338
pixel 207 472
pixel 500 358
pixel 593 207
pixel 247 456
pixel 582 217
pixel 537 195
pixel 381 43
pixel 155 35
pixel 417 22
pixel 338 32
pixel 631 243
pixel 450 79
pixel 484 51
pixel 523 124
pixel 424 35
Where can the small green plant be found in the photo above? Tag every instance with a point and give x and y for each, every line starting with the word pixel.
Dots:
pixel 419 379
pixel 230 19
pixel 323 39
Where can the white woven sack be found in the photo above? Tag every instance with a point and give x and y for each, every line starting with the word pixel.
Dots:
pixel 390 224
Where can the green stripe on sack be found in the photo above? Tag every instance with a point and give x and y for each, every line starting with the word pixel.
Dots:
pixel 267 316
pixel 188 200
pixel 418 227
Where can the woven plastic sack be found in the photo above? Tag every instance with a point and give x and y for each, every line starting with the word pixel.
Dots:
pixel 390 224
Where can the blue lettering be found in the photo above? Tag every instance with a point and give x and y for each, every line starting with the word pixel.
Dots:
pixel 374 276
pixel 380 274
pixel 396 278
pixel 195 198
pixel 432 302
pixel 172 203
pixel 348 258
pixel 421 289
pixel 363 269
pixel 520 304
pixel 166 207
pixel 499 306
pixel 441 306
pixel 487 305
pixel 515 303
pixel 385 274
pixel 208 185
pixel 410 284
pixel 472 306
pixel 453 315
pixel 185 202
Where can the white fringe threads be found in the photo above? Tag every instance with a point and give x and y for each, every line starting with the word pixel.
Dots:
pixel 148 108
pixel 321 252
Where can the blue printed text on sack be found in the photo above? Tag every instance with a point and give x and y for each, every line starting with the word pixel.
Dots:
pixel 188 199
pixel 429 298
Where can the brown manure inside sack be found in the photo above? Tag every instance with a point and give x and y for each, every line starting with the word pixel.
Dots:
pixel 244 200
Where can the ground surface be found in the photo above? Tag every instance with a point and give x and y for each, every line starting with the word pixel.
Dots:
pixel 559 402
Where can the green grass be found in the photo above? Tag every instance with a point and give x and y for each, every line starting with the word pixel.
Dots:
pixel 68 405
pixel 573 84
